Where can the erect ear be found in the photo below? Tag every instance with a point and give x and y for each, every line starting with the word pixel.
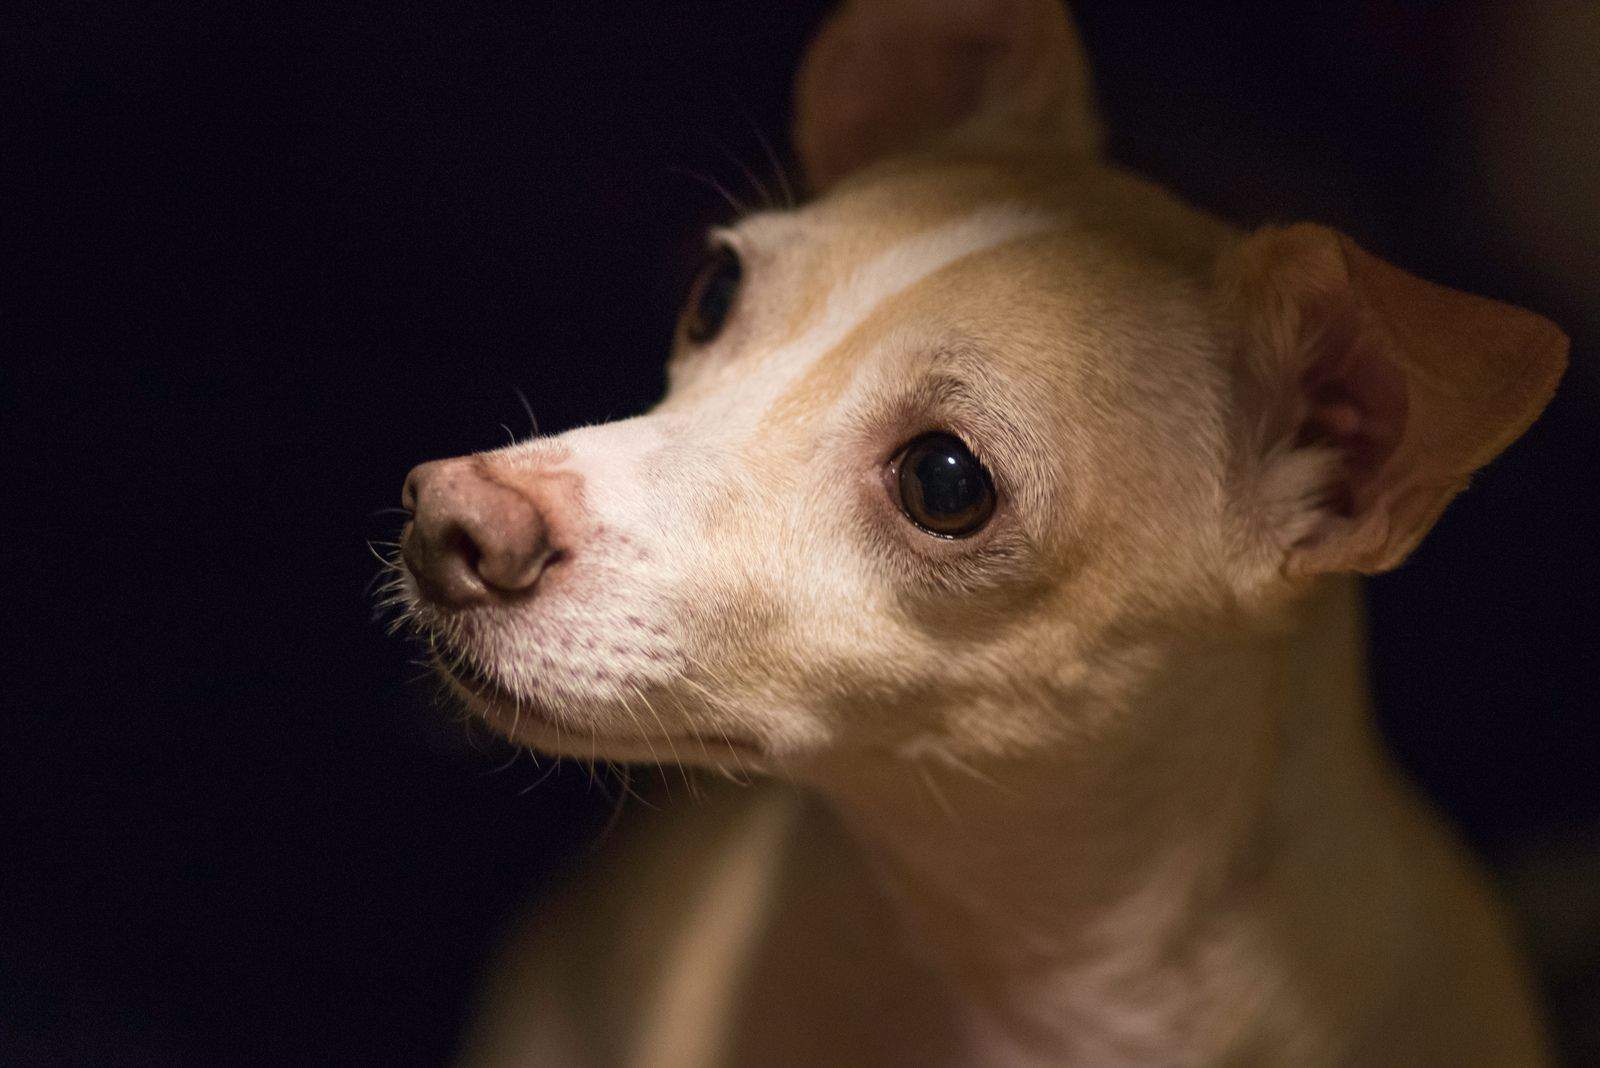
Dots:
pixel 1366 396
pixel 888 75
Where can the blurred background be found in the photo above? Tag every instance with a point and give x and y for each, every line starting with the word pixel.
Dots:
pixel 260 260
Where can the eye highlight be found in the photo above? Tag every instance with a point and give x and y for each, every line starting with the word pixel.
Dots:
pixel 711 298
pixel 943 488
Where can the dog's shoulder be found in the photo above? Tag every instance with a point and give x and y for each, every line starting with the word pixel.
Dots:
pixel 713 931
pixel 641 949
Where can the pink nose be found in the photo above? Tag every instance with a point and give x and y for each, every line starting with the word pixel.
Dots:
pixel 471 539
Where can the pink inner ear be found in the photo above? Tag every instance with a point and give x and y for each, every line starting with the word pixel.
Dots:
pixel 1355 402
pixel 1371 395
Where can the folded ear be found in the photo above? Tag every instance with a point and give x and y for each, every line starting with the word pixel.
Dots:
pixel 1366 396
pixel 889 75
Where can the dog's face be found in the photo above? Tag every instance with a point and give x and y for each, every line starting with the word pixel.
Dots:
pixel 960 446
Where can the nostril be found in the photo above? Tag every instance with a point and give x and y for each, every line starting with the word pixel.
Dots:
pixel 513 569
pixel 408 491
pixel 444 561
pixel 457 542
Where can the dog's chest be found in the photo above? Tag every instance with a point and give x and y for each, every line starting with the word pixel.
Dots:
pixel 792 954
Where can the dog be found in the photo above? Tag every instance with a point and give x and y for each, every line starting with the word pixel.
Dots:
pixel 1004 517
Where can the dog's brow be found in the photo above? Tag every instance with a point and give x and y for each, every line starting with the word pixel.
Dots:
pixel 967 364
pixel 810 364
pixel 903 265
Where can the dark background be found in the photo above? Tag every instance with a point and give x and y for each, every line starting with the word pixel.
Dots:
pixel 260 261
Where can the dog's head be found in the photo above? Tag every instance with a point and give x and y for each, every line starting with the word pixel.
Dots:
pixel 954 447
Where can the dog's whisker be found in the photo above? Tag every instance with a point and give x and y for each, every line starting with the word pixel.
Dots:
pixel 616 810
pixel 750 176
pixel 388 564
pixel 938 795
pixel 645 737
pixel 499 768
pixel 743 778
pixel 766 147
pixel 540 781
pixel 740 209
pixel 516 713
pixel 984 777
pixel 553 769
pixel 533 423
pixel 789 199
pixel 676 759
pixel 625 772
pixel 712 703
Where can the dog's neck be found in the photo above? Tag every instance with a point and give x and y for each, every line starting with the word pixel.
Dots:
pixel 1075 899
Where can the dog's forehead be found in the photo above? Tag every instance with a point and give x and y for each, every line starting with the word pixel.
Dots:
pixel 874 237
pixel 826 283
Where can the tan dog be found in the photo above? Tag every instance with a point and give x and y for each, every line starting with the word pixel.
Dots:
pixel 1007 509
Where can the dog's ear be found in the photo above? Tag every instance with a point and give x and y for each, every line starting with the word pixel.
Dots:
pixel 889 75
pixel 1366 396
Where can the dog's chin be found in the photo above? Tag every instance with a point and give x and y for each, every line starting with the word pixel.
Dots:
pixel 529 722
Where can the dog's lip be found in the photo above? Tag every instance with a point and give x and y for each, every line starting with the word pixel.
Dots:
pixel 467 676
pixel 534 724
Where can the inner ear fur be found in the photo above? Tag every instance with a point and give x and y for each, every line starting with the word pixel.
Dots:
pixel 1367 397
pixel 887 76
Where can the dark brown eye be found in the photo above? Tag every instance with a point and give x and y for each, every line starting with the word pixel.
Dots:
pixel 712 297
pixel 943 488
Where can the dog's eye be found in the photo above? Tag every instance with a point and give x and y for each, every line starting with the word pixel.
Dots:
pixel 943 488
pixel 713 294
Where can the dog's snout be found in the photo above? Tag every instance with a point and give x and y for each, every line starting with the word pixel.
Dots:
pixel 471 539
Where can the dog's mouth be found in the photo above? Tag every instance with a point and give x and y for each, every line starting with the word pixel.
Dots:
pixel 529 722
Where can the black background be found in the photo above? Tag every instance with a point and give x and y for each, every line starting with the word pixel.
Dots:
pixel 260 261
